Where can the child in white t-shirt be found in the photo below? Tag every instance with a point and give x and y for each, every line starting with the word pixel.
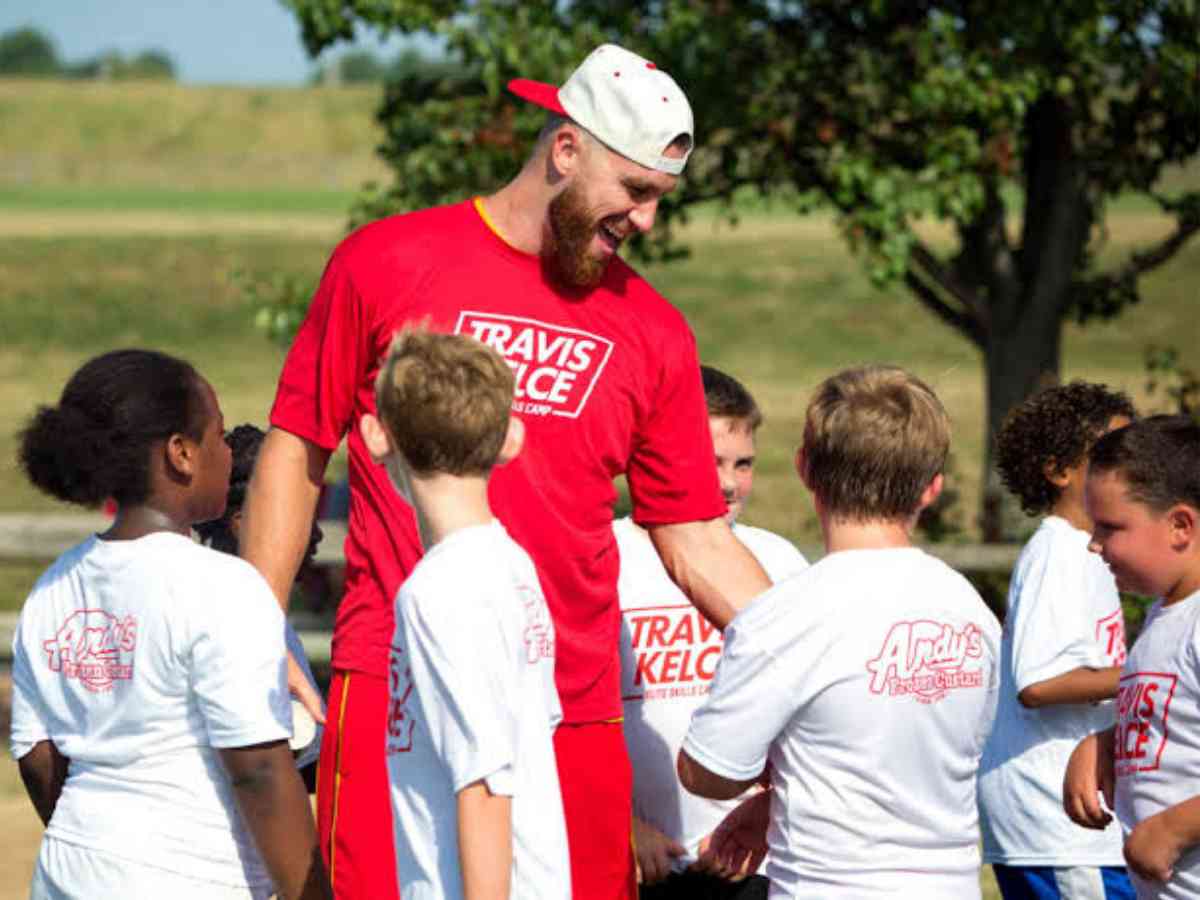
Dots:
pixel 669 653
pixel 150 707
pixel 868 681
pixel 1143 496
pixel 1061 653
pixel 476 805
pixel 222 534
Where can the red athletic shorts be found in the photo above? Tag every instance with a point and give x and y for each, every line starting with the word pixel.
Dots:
pixel 597 788
pixel 354 800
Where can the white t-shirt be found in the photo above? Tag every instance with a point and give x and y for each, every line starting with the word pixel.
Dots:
pixel 472 697
pixel 665 674
pixel 139 659
pixel 1063 613
pixel 869 682
pixel 1157 751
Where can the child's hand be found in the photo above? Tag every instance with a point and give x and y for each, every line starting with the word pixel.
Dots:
pixel 303 691
pixel 738 845
pixel 1090 773
pixel 654 851
pixel 1152 848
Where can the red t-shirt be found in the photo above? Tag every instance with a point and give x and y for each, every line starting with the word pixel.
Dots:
pixel 607 383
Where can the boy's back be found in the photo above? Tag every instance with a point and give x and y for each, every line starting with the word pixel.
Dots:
pixel 473 697
pixel 869 680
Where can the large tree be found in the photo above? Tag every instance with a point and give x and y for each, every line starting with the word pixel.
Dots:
pixel 1014 123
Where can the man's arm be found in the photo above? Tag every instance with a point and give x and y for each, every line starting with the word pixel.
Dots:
pixel 43 771
pixel 279 509
pixel 274 806
pixel 277 524
pixel 712 567
pixel 484 842
pixel 705 783
pixel 1080 685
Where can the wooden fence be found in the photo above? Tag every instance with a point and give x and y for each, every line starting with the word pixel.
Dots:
pixel 37 537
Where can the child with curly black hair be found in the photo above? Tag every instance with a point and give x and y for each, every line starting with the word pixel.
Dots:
pixel 222 534
pixel 150 705
pixel 1061 655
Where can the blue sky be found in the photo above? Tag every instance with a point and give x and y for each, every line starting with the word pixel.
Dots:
pixel 210 41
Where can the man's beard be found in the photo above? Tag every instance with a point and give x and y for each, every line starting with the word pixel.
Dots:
pixel 572 228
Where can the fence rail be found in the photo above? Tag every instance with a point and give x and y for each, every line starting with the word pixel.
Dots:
pixel 40 536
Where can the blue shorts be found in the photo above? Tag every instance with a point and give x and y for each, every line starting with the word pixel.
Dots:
pixel 1064 883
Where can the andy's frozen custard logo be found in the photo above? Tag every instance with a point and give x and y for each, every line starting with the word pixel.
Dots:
pixel 93 647
pixel 556 368
pixel 674 653
pixel 926 660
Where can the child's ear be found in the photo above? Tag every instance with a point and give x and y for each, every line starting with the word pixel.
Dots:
pixel 932 491
pixel 514 440
pixel 179 453
pixel 802 466
pixel 375 436
pixel 1184 523
pixel 1056 475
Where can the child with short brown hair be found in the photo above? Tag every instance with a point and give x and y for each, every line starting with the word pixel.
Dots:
pixel 474 785
pixel 868 680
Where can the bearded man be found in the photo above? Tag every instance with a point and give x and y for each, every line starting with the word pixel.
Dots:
pixel 607 383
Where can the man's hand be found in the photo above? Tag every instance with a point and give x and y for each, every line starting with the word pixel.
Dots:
pixel 1153 847
pixel 655 852
pixel 302 690
pixel 738 845
pixel 1090 774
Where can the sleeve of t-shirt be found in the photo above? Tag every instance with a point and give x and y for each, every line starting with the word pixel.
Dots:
pixel 328 361
pixel 28 718
pixel 466 686
pixel 239 666
pixel 748 706
pixel 1052 634
pixel 671 474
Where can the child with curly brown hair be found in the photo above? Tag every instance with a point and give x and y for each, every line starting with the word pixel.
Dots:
pixel 1061 655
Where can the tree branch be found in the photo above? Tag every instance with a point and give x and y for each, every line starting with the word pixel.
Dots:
pixel 915 279
pixel 1144 261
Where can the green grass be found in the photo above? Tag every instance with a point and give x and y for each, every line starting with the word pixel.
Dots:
pixel 138 198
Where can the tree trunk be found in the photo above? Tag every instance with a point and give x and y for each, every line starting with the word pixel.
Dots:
pixel 1018 361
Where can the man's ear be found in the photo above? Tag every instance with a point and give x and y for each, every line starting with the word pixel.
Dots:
pixel 932 491
pixel 375 436
pixel 514 440
pixel 567 149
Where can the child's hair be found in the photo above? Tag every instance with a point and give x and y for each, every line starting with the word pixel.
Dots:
pixel 727 398
pixel 244 441
pixel 445 399
pixel 95 444
pixel 874 438
pixel 1158 457
pixel 1055 426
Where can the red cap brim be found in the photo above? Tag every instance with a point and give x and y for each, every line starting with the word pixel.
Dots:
pixel 544 95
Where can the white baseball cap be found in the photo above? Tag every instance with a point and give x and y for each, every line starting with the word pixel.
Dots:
pixel 625 101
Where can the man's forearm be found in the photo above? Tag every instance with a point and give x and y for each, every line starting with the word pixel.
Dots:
pixel 711 566
pixel 279 508
pixel 485 842
pixel 275 808
pixel 1080 685
pixel 43 772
